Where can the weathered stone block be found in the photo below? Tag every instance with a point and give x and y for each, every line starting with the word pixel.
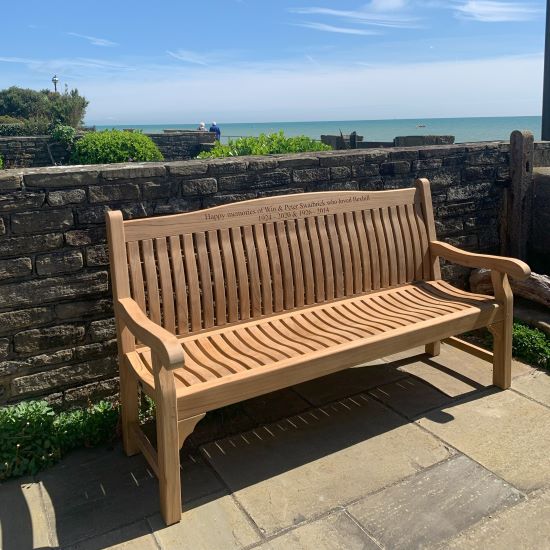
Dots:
pixel 2 227
pixel 395 168
pixel 118 192
pixel 262 163
pixel 464 241
pixel 334 186
pixel 187 168
pixel 133 171
pixel 309 175
pixel 335 159
pixel 71 375
pixel 478 173
pixel 227 198
pixel 403 154
pixel 21 201
pixel 61 198
pixel 18 267
pixel 83 308
pixel 95 350
pixel 10 180
pixel 59 262
pixel 156 190
pixel 41 220
pixel 427 164
pixel 102 330
pixel 224 166
pixel 276 192
pixel 297 161
pixel 137 210
pixel 365 170
pixel 340 172
pixel 92 214
pixel 30 243
pixel 11 321
pixel 31 341
pixel 469 192
pixel 4 347
pixel 65 176
pixel 91 393
pixel 41 291
pixel 97 255
pixel 202 186
pixel 49 358
pixel 8 368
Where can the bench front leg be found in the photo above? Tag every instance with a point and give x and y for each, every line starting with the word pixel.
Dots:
pixel 502 332
pixel 167 442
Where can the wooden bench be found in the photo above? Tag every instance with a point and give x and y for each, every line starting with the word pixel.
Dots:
pixel 220 305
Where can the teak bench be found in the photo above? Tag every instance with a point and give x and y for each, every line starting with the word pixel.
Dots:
pixel 220 305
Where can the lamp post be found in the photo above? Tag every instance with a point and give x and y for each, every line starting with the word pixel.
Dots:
pixel 546 92
pixel 55 80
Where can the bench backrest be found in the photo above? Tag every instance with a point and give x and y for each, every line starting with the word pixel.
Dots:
pixel 239 261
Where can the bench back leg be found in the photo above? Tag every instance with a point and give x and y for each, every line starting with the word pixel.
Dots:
pixel 129 408
pixel 167 443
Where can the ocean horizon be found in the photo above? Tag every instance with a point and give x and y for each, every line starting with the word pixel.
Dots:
pixel 464 129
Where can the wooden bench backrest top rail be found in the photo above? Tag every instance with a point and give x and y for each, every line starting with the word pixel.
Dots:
pixel 194 271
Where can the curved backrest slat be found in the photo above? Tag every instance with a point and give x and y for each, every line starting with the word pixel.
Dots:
pixel 195 271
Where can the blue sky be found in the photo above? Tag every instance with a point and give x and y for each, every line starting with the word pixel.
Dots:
pixel 280 60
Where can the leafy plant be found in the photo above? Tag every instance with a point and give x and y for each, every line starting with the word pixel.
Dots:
pixel 529 344
pixel 264 144
pixel 1 162
pixel 32 127
pixel 24 104
pixel 110 146
pixel 33 436
pixel 7 119
pixel 64 134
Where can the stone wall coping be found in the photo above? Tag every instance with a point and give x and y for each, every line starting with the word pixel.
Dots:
pixel 92 172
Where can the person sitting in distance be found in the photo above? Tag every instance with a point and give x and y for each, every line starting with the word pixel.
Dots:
pixel 202 127
pixel 216 128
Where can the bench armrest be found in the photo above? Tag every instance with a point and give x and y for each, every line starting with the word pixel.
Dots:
pixel 162 342
pixel 515 268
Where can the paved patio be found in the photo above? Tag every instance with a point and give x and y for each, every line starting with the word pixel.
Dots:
pixel 404 453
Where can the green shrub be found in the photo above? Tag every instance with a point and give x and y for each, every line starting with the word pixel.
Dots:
pixel 32 127
pixel 1 163
pixel 7 119
pixel 265 144
pixel 64 134
pixel 33 436
pixel 531 345
pixel 110 146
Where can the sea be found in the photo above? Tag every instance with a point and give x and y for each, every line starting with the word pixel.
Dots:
pixel 464 129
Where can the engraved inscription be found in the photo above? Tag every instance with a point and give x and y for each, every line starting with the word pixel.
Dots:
pixel 289 210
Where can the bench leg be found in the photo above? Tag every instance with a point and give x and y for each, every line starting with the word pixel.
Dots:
pixel 433 349
pixel 502 353
pixel 129 409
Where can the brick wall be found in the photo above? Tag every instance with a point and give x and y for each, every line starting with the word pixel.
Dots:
pixel 32 152
pixel 56 327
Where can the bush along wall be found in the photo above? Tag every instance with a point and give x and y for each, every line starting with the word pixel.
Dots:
pixel 57 336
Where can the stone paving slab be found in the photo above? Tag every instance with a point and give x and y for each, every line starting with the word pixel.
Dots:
pixel 410 397
pixel 452 372
pixel 294 470
pixel 216 523
pixel 334 532
pixel 100 495
pixel 348 382
pixel 23 521
pixel 526 526
pixel 535 385
pixel 433 505
pixel 504 431
pixel 136 536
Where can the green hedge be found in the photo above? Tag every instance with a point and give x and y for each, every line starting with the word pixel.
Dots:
pixel 33 436
pixel 109 146
pixel 265 144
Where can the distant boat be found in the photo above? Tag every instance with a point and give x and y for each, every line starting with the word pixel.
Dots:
pixel 421 126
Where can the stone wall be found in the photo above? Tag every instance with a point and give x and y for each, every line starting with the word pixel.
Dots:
pixel 57 335
pixel 18 151
pixel 539 238
pixel 32 152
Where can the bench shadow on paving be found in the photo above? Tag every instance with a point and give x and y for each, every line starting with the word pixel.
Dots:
pixel 257 470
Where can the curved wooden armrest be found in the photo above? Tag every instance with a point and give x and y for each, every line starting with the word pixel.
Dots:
pixel 515 268
pixel 162 342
